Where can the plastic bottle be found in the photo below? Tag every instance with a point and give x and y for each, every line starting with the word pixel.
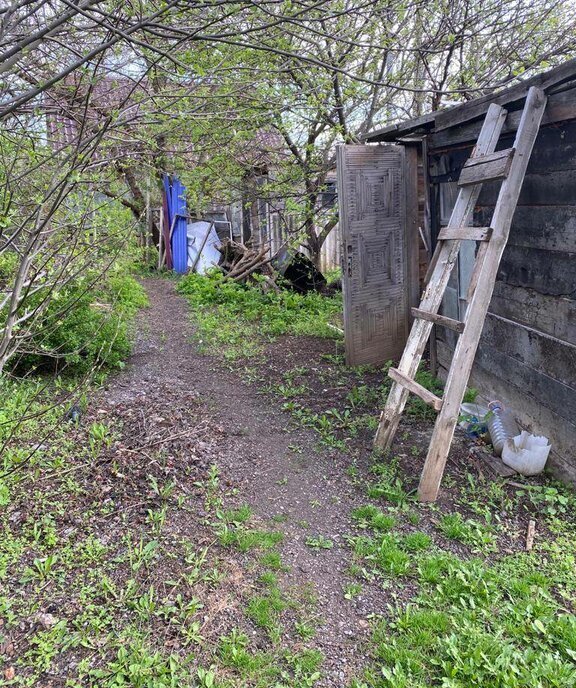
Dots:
pixel 501 425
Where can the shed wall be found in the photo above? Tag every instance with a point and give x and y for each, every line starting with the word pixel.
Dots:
pixel 527 354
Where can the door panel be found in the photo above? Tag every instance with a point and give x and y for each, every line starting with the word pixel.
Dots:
pixel 371 195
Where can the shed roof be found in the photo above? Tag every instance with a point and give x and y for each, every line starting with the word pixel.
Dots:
pixel 460 114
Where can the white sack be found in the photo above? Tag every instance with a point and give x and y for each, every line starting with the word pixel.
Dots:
pixel 526 453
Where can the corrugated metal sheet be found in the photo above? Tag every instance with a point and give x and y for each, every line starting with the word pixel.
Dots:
pixel 177 219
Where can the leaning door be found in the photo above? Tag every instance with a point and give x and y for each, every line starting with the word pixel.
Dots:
pixel 371 193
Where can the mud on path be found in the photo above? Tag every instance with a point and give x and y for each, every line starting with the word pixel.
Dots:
pixel 281 472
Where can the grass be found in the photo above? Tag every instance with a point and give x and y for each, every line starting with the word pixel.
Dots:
pixel 142 591
pixel 468 531
pixel 129 582
pixel 476 624
pixel 465 609
pixel 235 320
pixel 245 540
pixel 472 619
pixel 370 516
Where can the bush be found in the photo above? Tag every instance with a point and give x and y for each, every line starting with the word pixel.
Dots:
pixel 84 324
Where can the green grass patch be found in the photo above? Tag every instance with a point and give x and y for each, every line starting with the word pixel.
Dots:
pixel 468 531
pixel 234 319
pixel 264 610
pixel 370 516
pixel 246 540
pixel 475 624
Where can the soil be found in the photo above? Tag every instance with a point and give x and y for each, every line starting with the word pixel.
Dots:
pixel 309 487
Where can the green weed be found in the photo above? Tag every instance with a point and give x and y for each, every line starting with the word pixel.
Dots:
pixel 469 531
pixel 245 540
pixel 370 516
pixel 235 319
pixel 319 542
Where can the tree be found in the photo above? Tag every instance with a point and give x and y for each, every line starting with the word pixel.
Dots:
pixel 199 82
pixel 333 76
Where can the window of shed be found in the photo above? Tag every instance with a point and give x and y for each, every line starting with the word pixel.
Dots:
pixel 455 301
pixel 448 196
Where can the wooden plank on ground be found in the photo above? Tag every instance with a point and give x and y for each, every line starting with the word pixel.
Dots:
pixel 495 463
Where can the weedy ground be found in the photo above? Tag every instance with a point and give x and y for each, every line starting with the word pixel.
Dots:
pixel 217 518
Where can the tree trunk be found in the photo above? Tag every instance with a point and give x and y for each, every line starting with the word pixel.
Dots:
pixel 138 204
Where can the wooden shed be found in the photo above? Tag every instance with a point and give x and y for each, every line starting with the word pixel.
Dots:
pixel 527 354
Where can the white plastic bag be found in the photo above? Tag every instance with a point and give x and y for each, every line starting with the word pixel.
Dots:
pixel 526 453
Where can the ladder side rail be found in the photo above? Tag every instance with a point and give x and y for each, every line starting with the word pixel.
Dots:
pixel 443 260
pixel 467 345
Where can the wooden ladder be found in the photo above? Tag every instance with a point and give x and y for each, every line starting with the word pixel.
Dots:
pixel 483 165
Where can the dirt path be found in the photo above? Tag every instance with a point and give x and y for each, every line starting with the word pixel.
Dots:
pixel 280 472
pixel 136 558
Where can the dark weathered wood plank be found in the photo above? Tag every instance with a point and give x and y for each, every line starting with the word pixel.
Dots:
pixel 416 388
pixel 554 151
pixel 549 189
pixel 549 228
pixel 478 107
pixel 437 319
pixel 552 315
pixel 547 272
pixel 412 238
pixel 550 356
pixel 486 169
pixel 560 108
pixel 443 120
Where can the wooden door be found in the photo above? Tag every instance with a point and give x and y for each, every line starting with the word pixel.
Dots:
pixel 372 200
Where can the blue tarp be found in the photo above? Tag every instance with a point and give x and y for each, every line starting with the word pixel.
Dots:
pixel 176 198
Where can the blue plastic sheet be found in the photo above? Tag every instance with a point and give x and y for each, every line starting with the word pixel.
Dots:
pixel 176 197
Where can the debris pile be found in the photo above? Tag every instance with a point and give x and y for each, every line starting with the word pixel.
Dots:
pixel 286 268
pixel 239 261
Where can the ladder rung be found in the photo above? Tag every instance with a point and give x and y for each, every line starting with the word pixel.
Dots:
pixel 416 388
pixel 456 325
pixel 486 168
pixel 465 233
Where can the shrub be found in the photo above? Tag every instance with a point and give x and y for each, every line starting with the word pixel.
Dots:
pixel 84 324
